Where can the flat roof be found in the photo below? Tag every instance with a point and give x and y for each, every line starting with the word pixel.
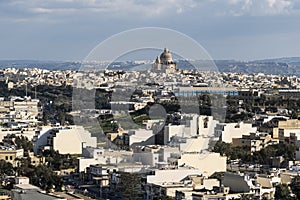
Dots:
pixel 26 187
pixel 207 89
pixel 32 194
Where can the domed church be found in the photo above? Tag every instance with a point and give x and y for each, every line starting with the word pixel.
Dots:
pixel 164 63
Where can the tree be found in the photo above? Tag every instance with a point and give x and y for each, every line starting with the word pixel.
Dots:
pixel 41 176
pixel 295 186
pixel 45 178
pixel 282 192
pixel 233 153
pixel 6 168
pixel 24 166
pixel 62 117
pixel 222 148
pixel 46 116
pixel 22 142
pixel 130 187
pixel 57 161
pixel 294 114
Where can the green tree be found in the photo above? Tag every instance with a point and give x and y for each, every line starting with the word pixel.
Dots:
pixel 45 178
pixel 41 176
pixel 24 166
pixel 294 114
pixel 6 168
pixel 295 186
pixel 222 148
pixel 130 187
pixel 57 161
pixel 24 143
pixel 46 116
pixel 62 117
pixel 282 192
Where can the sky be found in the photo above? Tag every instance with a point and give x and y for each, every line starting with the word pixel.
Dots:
pixel 227 29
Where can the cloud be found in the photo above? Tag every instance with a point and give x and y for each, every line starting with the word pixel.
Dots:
pixel 150 8
pixel 260 8
pixel 50 10
pixel 41 10
pixel 67 29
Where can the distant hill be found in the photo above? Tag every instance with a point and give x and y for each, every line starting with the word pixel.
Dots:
pixel 288 60
pixel 266 67
pixel 276 66
pixel 51 65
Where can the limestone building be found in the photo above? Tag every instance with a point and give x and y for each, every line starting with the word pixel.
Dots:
pixel 9 154
pixel 164 63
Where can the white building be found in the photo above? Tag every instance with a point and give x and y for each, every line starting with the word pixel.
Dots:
pixel 21 180
pixel 193 145
pixel 40 139
pixel 140 136
pixel 166 177
pixel 187 128
pixel 174 130
pixel 77 138
pixel 206 125
pixel 233 130
pixel 207 163
pixel 94 156
pixel 66 140
pixel 146 158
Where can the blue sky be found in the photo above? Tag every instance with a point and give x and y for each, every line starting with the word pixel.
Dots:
pixel 227 29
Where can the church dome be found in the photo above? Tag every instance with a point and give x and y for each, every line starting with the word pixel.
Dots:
pixel 166 56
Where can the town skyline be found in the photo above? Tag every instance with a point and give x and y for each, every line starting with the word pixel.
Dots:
pixel 115 133
pixel 150 100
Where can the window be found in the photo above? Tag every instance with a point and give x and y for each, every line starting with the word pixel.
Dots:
pixel 10 157
pixel 6 157
pixel 205 124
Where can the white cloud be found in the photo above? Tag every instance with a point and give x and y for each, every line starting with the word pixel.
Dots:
pixel 260 7
pixel 54 9
pixel 147 8
pixel 41 10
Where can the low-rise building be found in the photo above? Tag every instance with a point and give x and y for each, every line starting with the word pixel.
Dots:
pixel 255 141
pixel 9 154
pixel 229 131
pixel 166 182
pixel 55 138
pixel 207 163
pixel 94 156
